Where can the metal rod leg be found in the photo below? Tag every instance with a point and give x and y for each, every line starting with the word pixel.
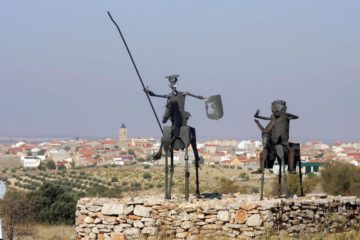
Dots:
pixel 300 176
pixel 171 171
pixel 167 175
pixel 197 178
pixel 262 167
pixel 187 174
pixel 279 187
pixel 285 180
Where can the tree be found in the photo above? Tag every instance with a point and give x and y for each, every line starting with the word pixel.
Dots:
pixel 50 164
pixel 14 210
pixel 41 152
pixel 67 148
pixel 52 204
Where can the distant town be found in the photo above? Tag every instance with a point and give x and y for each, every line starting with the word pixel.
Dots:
pixel 67 154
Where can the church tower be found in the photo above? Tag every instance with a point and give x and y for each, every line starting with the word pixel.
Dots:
pixel 123 135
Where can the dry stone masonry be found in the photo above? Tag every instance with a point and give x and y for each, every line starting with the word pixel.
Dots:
pixel 235 216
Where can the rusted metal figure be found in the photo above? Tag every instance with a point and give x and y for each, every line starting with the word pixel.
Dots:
pixel 179 136
pixel 276 145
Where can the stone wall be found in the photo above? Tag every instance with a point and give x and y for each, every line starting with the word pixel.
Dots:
pixel 235 216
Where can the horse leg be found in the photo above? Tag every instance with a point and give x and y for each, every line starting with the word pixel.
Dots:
pixel 197 160
pixel 187 174
pixel 171 171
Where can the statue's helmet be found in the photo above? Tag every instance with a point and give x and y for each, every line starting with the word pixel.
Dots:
pixel 172 80
pixel 278 107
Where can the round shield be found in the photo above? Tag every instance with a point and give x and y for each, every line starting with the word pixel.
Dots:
pixel 2 189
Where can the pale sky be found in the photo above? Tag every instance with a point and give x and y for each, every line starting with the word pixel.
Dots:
pixel 65 71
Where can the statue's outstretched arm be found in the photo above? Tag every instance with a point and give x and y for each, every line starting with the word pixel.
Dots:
pixel 257 115
pixel 195 96
pixel 152 94
pixel 292 116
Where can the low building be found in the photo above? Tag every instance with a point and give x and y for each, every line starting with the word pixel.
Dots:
pixel 30 162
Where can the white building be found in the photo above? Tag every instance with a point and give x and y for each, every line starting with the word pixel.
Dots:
pixel 30 162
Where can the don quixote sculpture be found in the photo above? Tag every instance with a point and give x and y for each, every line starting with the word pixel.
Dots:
pixel 179 135
pixel 276 145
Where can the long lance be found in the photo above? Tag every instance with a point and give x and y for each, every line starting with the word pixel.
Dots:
pixel 136 69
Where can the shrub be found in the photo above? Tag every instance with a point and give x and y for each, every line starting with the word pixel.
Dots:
pixel 147 175
pixel 341 179
pixel 114 179
pixel 135 186
pixel 310 182
pixel 52 204
pixel 15 211
pixel 227 186
pixel 244 176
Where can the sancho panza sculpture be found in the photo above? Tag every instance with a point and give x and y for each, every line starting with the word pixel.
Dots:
pixel 276 145
pixel 179 135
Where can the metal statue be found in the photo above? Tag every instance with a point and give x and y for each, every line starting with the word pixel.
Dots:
pixel 179 135
pixel 276 145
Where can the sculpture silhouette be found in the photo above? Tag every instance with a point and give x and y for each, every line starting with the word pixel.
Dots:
pixel 276 145
pixel 178 136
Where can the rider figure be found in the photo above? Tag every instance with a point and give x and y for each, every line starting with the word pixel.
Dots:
pixel 278 127
pixel 175 101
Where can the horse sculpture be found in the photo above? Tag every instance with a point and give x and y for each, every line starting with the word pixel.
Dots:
pixel 276 146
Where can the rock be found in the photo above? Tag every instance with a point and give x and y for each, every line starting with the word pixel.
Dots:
pixel 211 227
pixel 101 236
pixel 249 234
pixel 194 230
pixel 182 235
pixel 142 211
pixel 97 221
pixel 133 217
pixel 254 220
pixel 131 231
pixel 138 224
pixel 241 216
pixel 186 225
pixel 118 229
pixel 92 235
pixel 247 206
pixel 88 220
pixel 95 230
pixel 223 216
pixel 235 226
pixel 117 236
pixel 128 210
pixel 149 231
pixel 112 209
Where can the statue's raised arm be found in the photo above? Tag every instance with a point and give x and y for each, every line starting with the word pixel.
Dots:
pixel 257 115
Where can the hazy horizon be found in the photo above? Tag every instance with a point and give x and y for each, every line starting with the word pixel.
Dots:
pixel 65 70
